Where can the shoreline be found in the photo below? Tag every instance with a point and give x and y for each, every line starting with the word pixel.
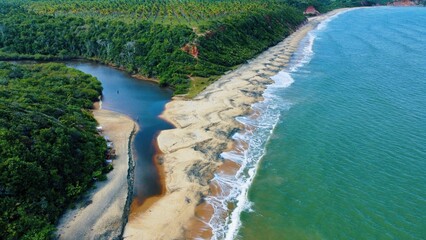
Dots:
pixel 103 211
pixel 204 127
pixel 143 206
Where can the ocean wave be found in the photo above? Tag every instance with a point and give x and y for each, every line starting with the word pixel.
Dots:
pixel 233 197
pixel 233 200
pixel 305 52
pixel 323 25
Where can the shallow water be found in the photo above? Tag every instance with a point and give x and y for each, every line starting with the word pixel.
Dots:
pixel 347 156
pixel 142 101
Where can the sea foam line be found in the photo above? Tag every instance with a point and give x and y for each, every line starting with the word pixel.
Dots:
pixel 235 187
pixel 226 222
pixel 305 52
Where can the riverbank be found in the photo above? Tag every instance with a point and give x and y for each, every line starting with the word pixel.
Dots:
pixel 204 126
pixel 100 215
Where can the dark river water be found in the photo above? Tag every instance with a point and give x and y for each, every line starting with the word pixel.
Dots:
pixel 142 101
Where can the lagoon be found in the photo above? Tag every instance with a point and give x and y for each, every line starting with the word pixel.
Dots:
pixel 143 101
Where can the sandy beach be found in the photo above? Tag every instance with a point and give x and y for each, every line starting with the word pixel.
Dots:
pixel 100 214
pixel 204 125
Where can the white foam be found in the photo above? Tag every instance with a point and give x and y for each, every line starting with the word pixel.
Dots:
pixel 305 52
pixel 282 80
pixel 226 222
pixel 323 25
pixel 235 187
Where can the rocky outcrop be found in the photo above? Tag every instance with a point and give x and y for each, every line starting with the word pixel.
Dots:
pixel 191 49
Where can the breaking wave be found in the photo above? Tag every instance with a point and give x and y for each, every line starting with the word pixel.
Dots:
pixel 250 146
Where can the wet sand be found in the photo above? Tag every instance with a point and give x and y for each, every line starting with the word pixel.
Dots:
pixel 191 151
pixel 139 207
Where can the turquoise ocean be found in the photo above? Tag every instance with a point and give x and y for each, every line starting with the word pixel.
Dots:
pixel 339 150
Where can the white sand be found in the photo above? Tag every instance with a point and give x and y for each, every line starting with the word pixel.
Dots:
pixel 103 218
pixel 203 127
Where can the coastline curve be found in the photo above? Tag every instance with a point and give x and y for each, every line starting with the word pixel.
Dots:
pixel 259 126
pixel 204 127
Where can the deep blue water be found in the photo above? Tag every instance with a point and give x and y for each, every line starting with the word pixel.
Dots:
pixel 347 158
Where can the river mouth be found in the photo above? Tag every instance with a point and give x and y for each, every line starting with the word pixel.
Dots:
pixel 143 101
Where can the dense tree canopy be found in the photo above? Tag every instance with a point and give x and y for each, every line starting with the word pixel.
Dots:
pixel 49 148
pixel 170 40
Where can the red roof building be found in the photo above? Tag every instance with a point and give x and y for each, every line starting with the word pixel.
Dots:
pixel 311 11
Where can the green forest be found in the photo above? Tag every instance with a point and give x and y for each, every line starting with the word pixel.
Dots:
pixel 50 151
pixel 173 41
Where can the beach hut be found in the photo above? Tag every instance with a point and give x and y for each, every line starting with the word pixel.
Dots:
pixel 311 11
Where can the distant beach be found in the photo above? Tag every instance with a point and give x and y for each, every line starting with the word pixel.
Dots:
pixel 204 127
